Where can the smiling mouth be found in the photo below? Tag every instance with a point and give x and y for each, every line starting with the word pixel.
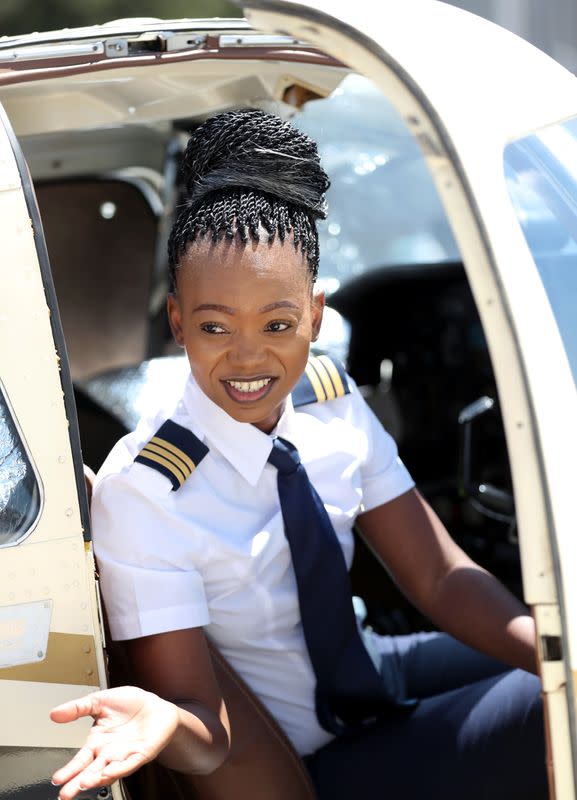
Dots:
pixel 246 391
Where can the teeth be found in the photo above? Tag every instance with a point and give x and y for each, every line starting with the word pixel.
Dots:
pixel 249 386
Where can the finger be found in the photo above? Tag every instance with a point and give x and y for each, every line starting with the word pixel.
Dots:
pixel 88 706
pixel 92 776
pixel 76 786
pixel 105 770
pixel 81 760
pixel 121 769
pixel 113 753
pixel 88 778
pixel 70 790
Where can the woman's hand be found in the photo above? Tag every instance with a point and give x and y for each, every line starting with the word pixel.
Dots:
pixel 131 727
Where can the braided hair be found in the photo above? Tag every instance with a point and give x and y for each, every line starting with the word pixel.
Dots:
pixel 247 174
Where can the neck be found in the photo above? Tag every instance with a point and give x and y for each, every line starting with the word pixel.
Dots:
pixel 268 424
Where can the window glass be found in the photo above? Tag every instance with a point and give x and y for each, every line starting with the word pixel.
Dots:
pixel 541 175
pixel 384 209
pixel 19 488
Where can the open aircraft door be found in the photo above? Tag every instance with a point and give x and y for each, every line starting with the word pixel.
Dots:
pixel 50 638
pixel 464 109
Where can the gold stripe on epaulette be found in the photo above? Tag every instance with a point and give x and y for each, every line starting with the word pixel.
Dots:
pixel 176 471
pixel 175 450
pixel 324 377
pixel 315 383
pixel 335 375
pixel 178 462
pixel 167 456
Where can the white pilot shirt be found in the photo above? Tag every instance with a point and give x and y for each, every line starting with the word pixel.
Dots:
pixel 213 554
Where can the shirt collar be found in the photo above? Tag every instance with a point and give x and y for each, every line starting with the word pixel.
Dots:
pixel 245 447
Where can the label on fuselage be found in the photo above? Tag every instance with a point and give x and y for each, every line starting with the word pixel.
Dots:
pixel 24 629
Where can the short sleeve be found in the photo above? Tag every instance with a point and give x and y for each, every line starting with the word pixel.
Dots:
pixel 145 588
pixel 384 476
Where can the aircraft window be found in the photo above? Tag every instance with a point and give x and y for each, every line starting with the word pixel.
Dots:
pixel 20 496
pixel 542 181
pixel 383 207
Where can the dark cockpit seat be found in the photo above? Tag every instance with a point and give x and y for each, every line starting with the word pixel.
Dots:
pixel 101 236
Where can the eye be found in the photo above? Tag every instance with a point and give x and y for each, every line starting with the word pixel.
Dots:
pixel 212 327
pixel 278 326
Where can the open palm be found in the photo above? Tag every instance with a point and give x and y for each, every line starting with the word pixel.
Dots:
pixel 131 727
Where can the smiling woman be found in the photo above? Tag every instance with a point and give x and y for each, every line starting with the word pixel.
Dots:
pixel 247 351
pixel 252 550
pixel 247 238
pixel 189 521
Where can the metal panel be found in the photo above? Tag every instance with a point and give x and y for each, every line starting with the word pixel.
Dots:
pixel 25 774
pixel 52 565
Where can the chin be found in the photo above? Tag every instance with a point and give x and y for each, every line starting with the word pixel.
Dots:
pixel 252 415
pixel 264 419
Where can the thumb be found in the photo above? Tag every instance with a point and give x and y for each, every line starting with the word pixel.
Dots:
pixel 88 706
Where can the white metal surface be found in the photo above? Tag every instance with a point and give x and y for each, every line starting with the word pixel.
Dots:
pixel 132 95
pixel 51 564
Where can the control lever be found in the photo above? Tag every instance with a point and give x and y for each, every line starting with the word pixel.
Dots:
pixel 490 500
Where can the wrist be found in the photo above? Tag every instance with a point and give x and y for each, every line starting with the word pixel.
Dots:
pixel 174 714
pixel 198 742
pixel 165 718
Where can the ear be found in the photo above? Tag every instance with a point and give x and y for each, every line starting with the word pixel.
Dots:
pixel 317 308
pixel 175 318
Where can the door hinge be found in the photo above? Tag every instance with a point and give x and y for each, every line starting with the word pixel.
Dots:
pixel 155 42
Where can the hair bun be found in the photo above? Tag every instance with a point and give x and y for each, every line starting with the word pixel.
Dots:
pixel 251 149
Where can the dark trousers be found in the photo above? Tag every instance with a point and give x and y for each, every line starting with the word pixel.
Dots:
pixel 476 733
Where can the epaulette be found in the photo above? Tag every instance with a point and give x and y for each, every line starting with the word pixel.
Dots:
pixel 324 379
pixel 174 451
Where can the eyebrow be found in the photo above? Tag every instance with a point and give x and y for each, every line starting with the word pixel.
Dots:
pixel 231 311
pixel 214 307
pixel 279 304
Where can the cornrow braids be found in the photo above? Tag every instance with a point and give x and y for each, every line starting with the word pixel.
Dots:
pixel 247 172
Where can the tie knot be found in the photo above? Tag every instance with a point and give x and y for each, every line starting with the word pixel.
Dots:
pixel 284 456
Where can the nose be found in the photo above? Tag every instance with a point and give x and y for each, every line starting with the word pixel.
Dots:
pixel 246 351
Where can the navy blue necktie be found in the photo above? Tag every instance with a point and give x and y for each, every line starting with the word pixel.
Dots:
pixel 349 691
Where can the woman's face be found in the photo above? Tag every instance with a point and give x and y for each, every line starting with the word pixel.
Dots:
pixel 246 315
